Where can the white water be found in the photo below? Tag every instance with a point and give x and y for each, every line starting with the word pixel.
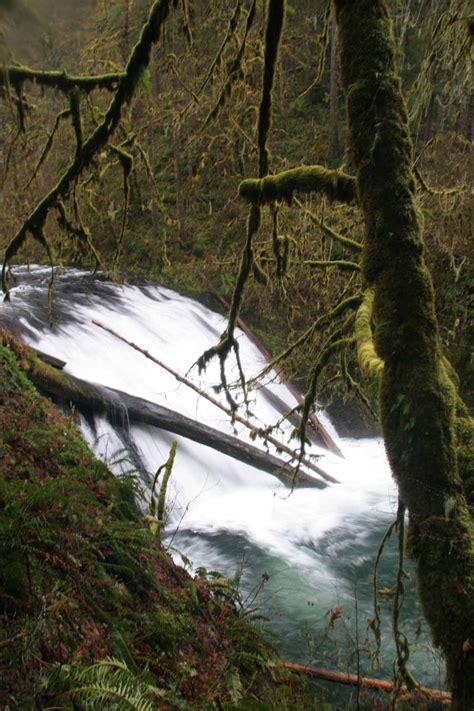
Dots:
pixel 318 546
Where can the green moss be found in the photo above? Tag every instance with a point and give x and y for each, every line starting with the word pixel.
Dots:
pixel 369 361
pixel 335 184
pixel 465 453
pixel 417 396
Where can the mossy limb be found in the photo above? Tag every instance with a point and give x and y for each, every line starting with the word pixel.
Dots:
pixel 369 362
pixel 61 80
pixel 139 58
pixel 335 184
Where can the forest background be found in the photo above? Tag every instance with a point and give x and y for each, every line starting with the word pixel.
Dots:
pixel 190 137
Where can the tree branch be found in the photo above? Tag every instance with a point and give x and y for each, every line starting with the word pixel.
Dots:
pixel 342 264
pixel 17 75
pixel 138 60
pixel 351 244
pixel 335 184
pixel 369 361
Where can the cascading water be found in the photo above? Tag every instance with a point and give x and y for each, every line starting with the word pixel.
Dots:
pixel 317 546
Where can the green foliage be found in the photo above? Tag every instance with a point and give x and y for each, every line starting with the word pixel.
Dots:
pixel 108 684
pixel 144 81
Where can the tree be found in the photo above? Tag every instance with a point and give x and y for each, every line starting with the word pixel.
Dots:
pixel 428 433
pixel 425 425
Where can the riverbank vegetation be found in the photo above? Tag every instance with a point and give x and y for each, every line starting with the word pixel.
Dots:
pixel 95 614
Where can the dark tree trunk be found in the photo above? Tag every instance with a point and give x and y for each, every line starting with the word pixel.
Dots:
pixel 333 95
pixel 177 155
pixel 418 397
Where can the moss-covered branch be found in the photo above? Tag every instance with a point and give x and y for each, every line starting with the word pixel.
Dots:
pixel 127 83
pixel 65 113
pixel 334 343
pixel 335 184
pixel 441 192
pixel 17 75
pixel 231 28
pixel 342 264
pixel 351 302
pixel 234 69
pixel 369 362
pixel 275 20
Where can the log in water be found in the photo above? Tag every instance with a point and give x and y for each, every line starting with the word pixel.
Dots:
pixel 123 408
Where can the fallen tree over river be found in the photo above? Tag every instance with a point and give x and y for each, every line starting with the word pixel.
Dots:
pixel 123 408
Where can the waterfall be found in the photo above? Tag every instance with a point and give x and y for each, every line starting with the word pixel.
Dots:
pixel 317 546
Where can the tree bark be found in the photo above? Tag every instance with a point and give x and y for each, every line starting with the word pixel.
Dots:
pixel 177 151
pixel 418 397
pixel 333 94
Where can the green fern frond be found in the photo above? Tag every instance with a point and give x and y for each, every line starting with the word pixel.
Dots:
pixel 110 684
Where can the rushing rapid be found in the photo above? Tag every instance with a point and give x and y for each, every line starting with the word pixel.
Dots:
pixel 317 547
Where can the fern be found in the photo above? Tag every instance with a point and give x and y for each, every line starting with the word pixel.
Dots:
pixel 108 684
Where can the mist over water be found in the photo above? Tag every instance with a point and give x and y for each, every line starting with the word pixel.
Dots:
pixel 317 547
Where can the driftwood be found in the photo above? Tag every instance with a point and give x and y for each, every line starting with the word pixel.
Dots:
pixel 316 432
pixel 354 680
pixel 123 408
pixel 256 431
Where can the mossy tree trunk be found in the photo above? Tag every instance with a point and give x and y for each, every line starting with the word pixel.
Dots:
pixel 418 397
pixel 333 94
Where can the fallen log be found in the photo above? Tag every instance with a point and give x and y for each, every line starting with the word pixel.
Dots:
pixel 354 680
pixel 316 431
pixel 123 408
pixel 51 360
pixel 256 431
